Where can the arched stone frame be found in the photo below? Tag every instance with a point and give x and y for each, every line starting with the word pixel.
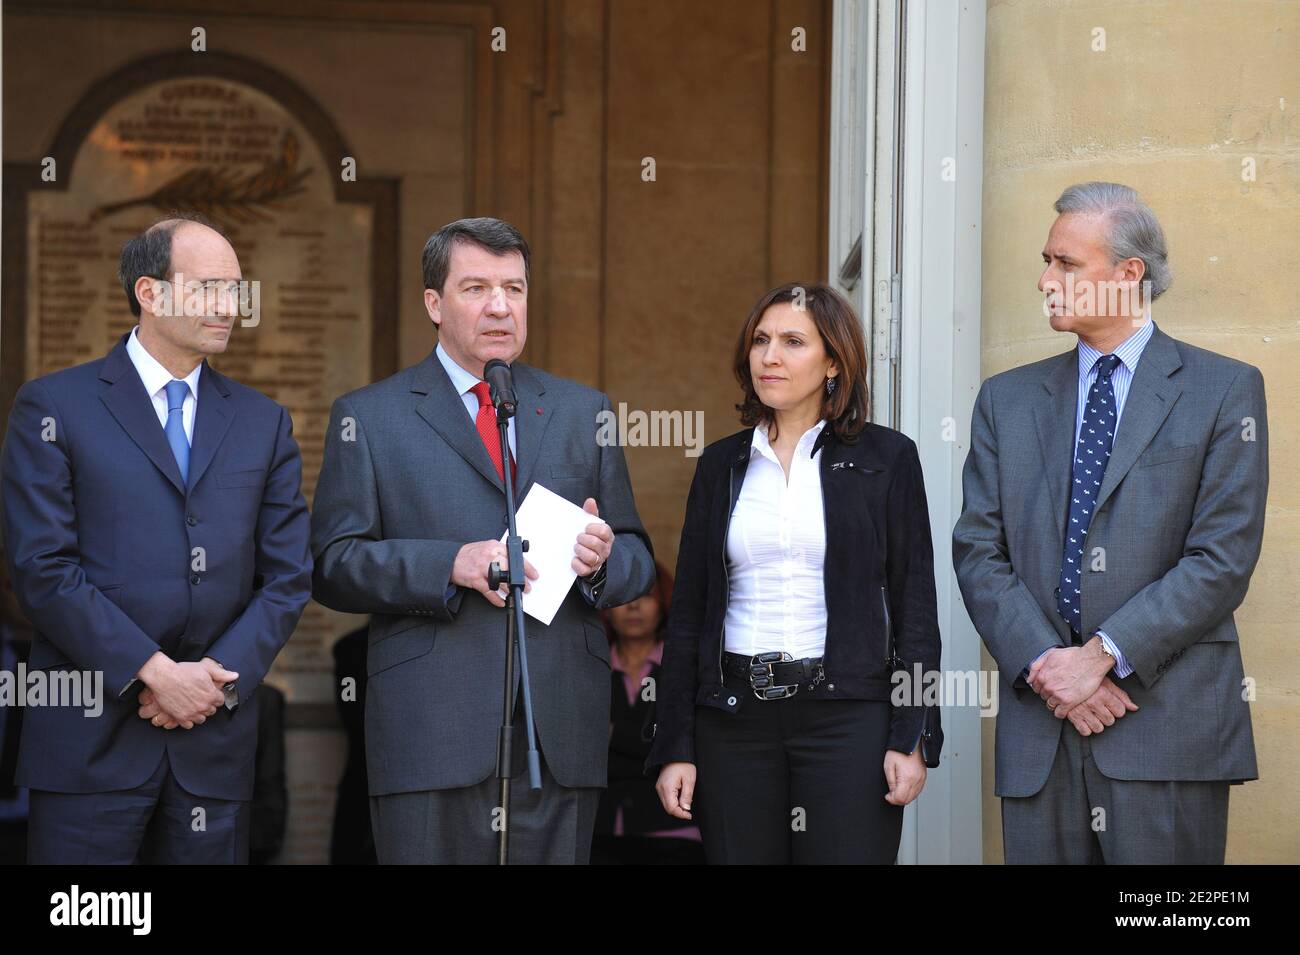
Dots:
pixel 22 179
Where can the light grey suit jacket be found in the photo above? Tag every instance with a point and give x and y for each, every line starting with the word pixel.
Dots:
pixel 1173 541
pixel 405 482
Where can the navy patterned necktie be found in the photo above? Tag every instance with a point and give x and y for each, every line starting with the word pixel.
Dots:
pixel 1091 452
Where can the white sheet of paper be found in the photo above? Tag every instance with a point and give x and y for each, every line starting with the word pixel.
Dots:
pixel 551 526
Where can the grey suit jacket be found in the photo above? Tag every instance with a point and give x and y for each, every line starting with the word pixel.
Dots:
pixel 405 482
pixel 1173 541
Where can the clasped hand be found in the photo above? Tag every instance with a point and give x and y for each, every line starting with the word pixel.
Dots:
pixel 1073 683
pixel 183 694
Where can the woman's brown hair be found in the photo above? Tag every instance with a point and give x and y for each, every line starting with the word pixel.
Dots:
pixel 846 409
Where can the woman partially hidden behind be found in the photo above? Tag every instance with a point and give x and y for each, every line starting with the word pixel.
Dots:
pixel 804 579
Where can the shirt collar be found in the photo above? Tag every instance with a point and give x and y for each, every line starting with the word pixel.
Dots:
pixel 153 374
pixel 761 445
pixel 1128 351
pixel 461 380
pixel 655 656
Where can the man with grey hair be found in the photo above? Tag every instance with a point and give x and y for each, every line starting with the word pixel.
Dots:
pixel 409 515
pixel 1112 517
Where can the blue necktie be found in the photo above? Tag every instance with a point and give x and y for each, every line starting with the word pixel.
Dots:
pixel 175 429
pixel 1096 436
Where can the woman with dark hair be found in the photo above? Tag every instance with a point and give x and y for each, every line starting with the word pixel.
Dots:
pixel 805 579
pixel 632 827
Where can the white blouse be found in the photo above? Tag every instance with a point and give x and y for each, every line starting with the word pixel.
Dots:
pixel 776 549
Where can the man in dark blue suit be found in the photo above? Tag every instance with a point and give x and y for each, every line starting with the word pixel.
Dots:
pixel 159 543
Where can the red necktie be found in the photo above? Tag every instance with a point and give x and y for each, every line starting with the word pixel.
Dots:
pixel 486 422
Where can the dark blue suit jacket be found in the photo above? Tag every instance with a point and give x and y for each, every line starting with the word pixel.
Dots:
pixel 102 537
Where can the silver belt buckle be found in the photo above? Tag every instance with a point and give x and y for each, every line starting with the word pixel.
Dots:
pixel 763 680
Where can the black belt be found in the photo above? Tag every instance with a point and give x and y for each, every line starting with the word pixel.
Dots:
pixel 775 675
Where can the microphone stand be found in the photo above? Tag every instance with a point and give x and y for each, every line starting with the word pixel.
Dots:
pixel 516 637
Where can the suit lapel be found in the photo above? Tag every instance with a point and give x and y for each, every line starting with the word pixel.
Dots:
pixel 444 411
pixel 531 419
pixel 211 422
pixel 1151 397
pixel 1054 416
pixel 130 404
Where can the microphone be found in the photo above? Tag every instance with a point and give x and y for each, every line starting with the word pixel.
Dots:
pixel 501 386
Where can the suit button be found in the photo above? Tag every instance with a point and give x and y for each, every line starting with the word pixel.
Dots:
pixel 731 701
pixel 194 578
pixel 191 520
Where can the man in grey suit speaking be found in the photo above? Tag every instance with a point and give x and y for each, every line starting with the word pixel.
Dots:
pixel 409 513
pixel 1112 516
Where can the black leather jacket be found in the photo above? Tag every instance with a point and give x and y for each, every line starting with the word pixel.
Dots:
pixel 879 572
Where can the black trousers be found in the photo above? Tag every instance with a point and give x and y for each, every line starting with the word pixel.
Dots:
pixel 797 781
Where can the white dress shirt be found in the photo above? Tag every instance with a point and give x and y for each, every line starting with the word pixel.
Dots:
pixel 1128 352
pixel 463 381
pixel 776 550
pixel 156 377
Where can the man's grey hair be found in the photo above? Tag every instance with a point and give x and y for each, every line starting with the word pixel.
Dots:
pixel 496 235
pixel 1135 232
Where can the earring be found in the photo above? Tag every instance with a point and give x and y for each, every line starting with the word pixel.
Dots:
pixel 830 386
